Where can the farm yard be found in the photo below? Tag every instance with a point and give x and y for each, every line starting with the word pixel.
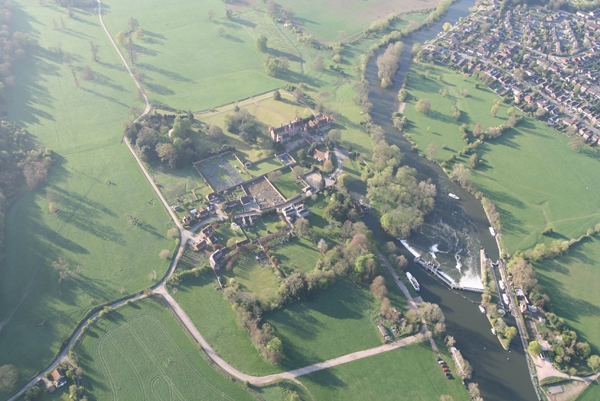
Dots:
pixel 266 196
pixel 141 352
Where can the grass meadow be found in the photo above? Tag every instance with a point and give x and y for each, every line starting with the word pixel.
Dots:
pixel 175 183
pixel 297 255
pixel 254 278
pixel 325 19
pixel 408 373
pixel 186 63
pixel 591 393
pixel 571 281
pixel 336 322
pixel 530 173
pixel 96 184
pixel 265 166
pixel 141 352
pixel 215 319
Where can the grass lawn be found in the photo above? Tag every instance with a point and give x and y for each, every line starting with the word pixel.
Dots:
pixel 335 323
pixel 261 281
pixel 142 352
pixel 409 373
pixel 531 189
pixel 224 232
pixel 187 64
pixel 325 19
pixel 287 185
pixel 264 226
pixel 180 182
pixel 276 112
pixel 265 166
pixel 214 318
pixel 297 255
pixel 571 281
pixel 92 231
pixel 192 259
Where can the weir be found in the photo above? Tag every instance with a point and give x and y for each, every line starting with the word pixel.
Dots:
pixel 438 273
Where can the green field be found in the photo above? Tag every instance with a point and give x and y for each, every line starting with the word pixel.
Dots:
pixel 187 64
pixel 141 352
pixel 530 173
pixel 297 255
pixel 287 185
pixel 264 226
pixel 335 323
pixel 571 281
pixel 96 184
pixel 325 19
pixel 409 373
pixel 258 280
pixel 215 319
pixel 592 393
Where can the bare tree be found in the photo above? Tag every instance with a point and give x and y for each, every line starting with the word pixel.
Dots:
pixel 210 15
pixel 135 110
pixel 94 48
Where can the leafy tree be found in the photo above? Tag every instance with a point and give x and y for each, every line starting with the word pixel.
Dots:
pixel 261 43
pixel 297 172
pixel 401 262
pixel 447 26
pixel 477 130
pixel 299 95
pixel 274 175
pixel 432 150
pixel 494 109
pixel 328 166
pixel 334 135
pixel 167 154
pixel 181 126
pixel 473 160
pixel 594 362
pixel 271 65
pixel 301 227
pixel 231 243
pixel 301 154
pixel 318 63
pixel 215 132
pixel 423 106
pixel 221 32
pixel 276 95
pixel 121 38
pixel 510 333
pixel 461 174
pixel 534 347
pixel 576 143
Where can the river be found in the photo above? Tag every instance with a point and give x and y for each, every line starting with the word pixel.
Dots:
pixel 452 237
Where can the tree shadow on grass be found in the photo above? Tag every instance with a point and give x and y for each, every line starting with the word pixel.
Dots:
pixel 145 50
pixel 169 74
pixel 159 89
pixel 104 80
pixel 153 34
pixel 233 38
pixel 244 22
pixel 279 53
pixel 109 98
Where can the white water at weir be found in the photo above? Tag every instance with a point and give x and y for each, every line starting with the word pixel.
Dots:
pixel 454 250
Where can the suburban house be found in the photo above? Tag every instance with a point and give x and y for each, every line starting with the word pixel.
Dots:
pixel 58 377
pixel 321 156
pixel 247 220
pixel 293 212
pixel 199 245
pixel 216 259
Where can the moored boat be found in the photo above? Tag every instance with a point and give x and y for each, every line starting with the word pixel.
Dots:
pixel 413 281
pixel 453 196
pixel 505 299
pixel 481 308
pixel 492 231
